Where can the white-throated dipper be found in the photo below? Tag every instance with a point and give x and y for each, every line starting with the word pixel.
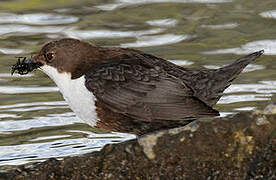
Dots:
pixel 127 90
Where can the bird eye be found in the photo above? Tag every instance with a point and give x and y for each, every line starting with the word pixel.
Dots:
pixel 49 57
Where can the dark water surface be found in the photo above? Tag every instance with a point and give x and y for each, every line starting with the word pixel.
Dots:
pixel 36 123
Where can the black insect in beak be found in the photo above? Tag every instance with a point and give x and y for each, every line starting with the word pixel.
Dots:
pixel 24 66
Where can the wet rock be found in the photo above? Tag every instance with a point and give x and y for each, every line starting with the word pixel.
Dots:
pixel 270 109
pixel 239 147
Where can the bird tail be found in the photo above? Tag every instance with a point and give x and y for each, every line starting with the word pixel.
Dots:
pixel 231 71
pixel 221 78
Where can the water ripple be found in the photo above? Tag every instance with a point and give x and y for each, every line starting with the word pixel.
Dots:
pixel 20 154
pixel 37 122
pixel 248 68
pixel 221 26
pixel 162 22
pixel 15 75
pixel 269 47
pixel 49 138
pixel 11 51
pixel 92 34
pixel 36 108
pixel 48 103
pixel 157 40
pixel 181 62
pixel 227 99
pixel 248 108
pixel 125 3
pixel 23 90
pixel 9 116
pixel 68 114
pixel 262 87
pixel 37 18
pixel 9 30
pixel 264 91
pixel 269 14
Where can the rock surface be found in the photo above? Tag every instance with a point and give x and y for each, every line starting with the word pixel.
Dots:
pixel 239 147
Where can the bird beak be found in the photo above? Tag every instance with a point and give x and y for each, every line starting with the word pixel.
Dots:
pixel 25 65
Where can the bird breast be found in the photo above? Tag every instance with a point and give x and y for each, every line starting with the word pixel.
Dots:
pixel 80 100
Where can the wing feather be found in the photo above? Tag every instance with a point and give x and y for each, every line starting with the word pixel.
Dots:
pixel 144 92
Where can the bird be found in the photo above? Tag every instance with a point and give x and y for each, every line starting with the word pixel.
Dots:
pixel 130 91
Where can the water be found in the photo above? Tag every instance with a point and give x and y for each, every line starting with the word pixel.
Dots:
pixel 36 123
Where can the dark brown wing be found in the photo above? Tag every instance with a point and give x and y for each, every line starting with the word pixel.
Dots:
pixel 144 92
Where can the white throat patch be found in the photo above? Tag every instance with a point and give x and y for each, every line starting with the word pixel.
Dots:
pixel 80 100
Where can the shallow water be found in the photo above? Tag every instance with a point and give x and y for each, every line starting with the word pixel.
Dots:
pixel 36 123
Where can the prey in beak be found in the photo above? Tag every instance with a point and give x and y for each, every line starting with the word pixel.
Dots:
pixel 24 65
